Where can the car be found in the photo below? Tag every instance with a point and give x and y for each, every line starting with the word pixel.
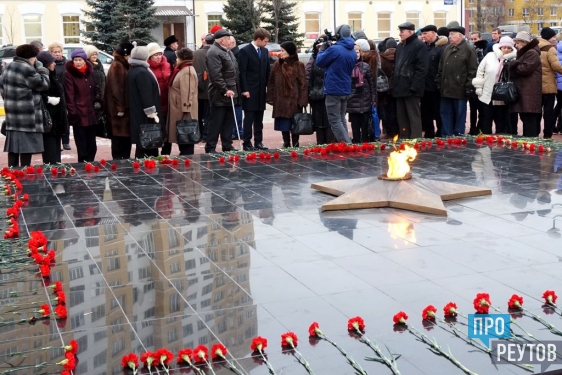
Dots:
pixel 7 54
pixel 105 58
pixel 274 50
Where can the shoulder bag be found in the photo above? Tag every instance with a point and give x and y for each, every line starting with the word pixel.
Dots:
pixel 47 120
pixel 505 90
pixel 151 136
pixel 382 81
pixel 103 128
pixel 302 123
pixel 187 131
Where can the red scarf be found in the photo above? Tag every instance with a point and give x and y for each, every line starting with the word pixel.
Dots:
pixel 82 69
pixel 177 70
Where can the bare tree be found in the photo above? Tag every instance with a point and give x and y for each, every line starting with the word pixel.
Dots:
pixel 488 13
pixel 10 28
pixel 533 14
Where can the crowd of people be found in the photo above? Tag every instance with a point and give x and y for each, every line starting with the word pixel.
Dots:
pixel 419 85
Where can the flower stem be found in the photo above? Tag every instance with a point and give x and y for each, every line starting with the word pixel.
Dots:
pixel 350 360
pixel 209 366
pixel 391 364
pixel 301 360
pixel 269 367
pixel 550 327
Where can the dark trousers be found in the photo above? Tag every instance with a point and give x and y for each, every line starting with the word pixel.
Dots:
pixel 85 141
pixel 548 114
pixel 409 117
pixel 531 124
pixel 321 123
pixel 238 112
pixel 558 112
pixel 430 112
pixel 360 126
pixel 498 114
pixel 66 137
pixel 254 118
pixel 203 106
pixel 121 147
pixel 389 116
pixel 324 136
pixel 513 123
pixel 287 139
pixel 52 148
pixel 475 107
pixel 220 123
pixel 144 152
pixel 19 160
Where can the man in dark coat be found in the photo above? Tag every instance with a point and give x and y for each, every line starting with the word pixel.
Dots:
pixel 480 47
pixel 431 99
pixel 254 66
pixel 171 44
pixel 200 66
pixel 456 70
pixel 408 80
pixel 223 90
pixel 496 35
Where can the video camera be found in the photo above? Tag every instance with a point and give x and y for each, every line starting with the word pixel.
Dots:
pixel 329 40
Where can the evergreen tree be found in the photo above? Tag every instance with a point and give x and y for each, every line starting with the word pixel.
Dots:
pixel 242 18
pixel 281 22
pixel 115 21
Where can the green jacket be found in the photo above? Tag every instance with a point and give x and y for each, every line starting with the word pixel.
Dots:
pixel 456 70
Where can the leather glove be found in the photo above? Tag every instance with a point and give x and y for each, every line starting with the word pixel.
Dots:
pixel 97 106
pixel 120 114
pixel 154 116
pixel 53 100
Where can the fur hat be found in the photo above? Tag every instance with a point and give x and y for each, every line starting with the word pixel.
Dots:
pixel 523 36
pixel 290 47
pixel 46 58
pixel 547 33
pixel 79 52
pixel 363 45
pixel 153 48
pixel 443 31
pixel 140 53
pixel 170 40
pixel 27 51
pixel 124 49
pixel 89 49
pixel 506 41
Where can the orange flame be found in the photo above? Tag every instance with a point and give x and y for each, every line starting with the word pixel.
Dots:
pixel 403 230
pixel 398 165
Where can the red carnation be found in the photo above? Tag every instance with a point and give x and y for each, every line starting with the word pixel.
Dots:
pixel 102 162
pixel 38 258
pixel 45 270
pixel 550 297
pixel 29 170
pixel 400 318
pixel 96 168
pixel 57 286
pixel 69 363
pixel 482 303
pixel 45 310
pixel 72 347
pixel 289 339
pixel 131 361
pixel 175 162
pixel 314 329
pixel 356 324
pixel 258 344
pixel 276 155
pixel 184 356
pixel 88 167
pixel 136 164
pixel 61 297
pixel 165 356
pixel 218 351
pixel 515 302
pixel 294 154
pixel 25 197
pixel 186 162
pixel 429 312
pixel 450 309
pixel 200 354
pixel 113 166
pixel 148 359
pixel 60 311
pixel 221 159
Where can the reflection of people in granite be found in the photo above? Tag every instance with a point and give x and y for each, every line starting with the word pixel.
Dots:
pixel 342 225
pixel 86 215
pixel 558 170
pixel 547 180
pixel 483 168
pixel 189 191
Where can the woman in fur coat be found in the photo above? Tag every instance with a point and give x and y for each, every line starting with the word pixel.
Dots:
pixel 490 70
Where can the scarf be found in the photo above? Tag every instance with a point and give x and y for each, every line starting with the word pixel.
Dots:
pixel 357 75
pixel 177 70
pixel 82 69
pixel 284 65
pixel 500 69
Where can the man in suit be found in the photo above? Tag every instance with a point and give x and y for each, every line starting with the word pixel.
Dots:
pixel 254 67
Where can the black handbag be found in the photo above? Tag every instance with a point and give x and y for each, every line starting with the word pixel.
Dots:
pixel 47 120
pixel 505 90
pixel 187 131
pixel 151 136
pixel 302 123
pixel 382 81
pixel 103 129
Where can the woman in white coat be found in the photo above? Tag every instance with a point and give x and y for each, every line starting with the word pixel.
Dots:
pixel 489 73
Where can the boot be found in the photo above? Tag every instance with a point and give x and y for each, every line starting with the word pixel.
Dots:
pixel 295 140
pixel 286 139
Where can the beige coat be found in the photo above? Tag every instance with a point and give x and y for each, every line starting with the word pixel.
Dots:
pixel 550 65
pixel 182 99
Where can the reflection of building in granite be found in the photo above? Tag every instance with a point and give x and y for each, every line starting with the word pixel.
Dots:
pixel 144 269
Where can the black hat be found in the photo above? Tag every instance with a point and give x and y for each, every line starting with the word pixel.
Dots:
pixel 407 26
pixel 547 33
pixel 27 51
pixel 209 39
pixel 46 58
pixel 221 34
pixel 290 47
pixel 124 49
pixel 429 28
pixel 443 31
pixel 390 43
pixel 170 40
pixel 458 29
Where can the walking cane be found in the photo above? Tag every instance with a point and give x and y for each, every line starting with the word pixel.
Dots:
pixel 236 122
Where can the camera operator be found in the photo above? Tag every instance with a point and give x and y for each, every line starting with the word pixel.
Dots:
pixel 338 60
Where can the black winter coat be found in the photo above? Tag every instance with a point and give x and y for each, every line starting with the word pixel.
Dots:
pixel 435 51
pixel 316 82
pixel 200 66
pixel 254 74
pixel 362 96
pixel 144 98
pixel 58 112
pixel 60 68
pixel 223 76
pixel 170 56
pixel 410 68
pixel 81 93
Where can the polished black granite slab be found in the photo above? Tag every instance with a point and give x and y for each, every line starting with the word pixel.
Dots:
pixel 221 252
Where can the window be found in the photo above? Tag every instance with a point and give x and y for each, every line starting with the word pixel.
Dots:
pixel 98 312
pixel 75 273
pixel 213 20
pixel 110 230
pixel 175 303
pixel 172 335
pixel 525 12
pixel 118 347
pixel 540 11
pixel 553 12
pixel 175 267
pixel 190 264
pixel 77 321
pixel 113 264
pixel 413 17
pixel 311 25
pixel 71 29
pixel 33 27
pixel 100 359
pixel 173 238
pixel 354 20
pixel 187 330
pixel 553 24
pixel 511 12
pixel 76 295
pixel 440 19
pixel 383 25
